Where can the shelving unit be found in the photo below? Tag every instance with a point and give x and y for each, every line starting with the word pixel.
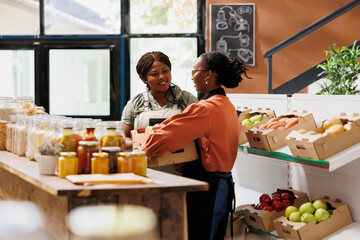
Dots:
pixel 332 163
pixel 263 171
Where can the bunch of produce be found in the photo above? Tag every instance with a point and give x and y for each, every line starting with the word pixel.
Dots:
pixel 332 126
pixel 251 119
pixel 308 212
pixel 281 123
pixel 277 202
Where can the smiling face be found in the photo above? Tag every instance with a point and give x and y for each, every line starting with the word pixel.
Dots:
pixel 159 77
pixel 199 74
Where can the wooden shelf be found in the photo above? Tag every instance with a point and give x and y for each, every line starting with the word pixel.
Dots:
pixel 332 163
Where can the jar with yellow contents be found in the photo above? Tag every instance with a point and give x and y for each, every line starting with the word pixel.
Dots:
pixel 139 163
pixel 100 163
pixel 68 164
pixel 125 162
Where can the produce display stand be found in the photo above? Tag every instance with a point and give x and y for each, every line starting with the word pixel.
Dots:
pixel 20 180
pixel 332 163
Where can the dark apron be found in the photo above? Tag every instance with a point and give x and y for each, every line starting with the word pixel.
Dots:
pixel 200 205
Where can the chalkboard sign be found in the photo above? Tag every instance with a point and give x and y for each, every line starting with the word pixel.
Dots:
pixel 232 30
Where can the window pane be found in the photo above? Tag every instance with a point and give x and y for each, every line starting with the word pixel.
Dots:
pixel 80 82
pixel 163 16
pixel 82 17
pixel 181 51
pixel 17 73
pixel 19 17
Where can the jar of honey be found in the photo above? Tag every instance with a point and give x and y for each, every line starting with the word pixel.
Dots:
pixel 113 156
pixel 68 164
pixel 68 140
pixel 125 162
pixel 139 163
pixel 85 151
pixel 100 163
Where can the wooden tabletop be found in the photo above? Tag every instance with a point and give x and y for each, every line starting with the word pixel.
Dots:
pixel 29 171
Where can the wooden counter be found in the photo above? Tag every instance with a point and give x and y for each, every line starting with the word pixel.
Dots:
pixel 20 179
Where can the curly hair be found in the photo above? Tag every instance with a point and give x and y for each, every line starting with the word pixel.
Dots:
pixel 229 70
pixel 146 61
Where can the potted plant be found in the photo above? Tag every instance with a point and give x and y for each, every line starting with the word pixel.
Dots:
pixel 341 70
pixel 47 157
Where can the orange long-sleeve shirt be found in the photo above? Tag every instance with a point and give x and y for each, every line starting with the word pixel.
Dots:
pixel 215 125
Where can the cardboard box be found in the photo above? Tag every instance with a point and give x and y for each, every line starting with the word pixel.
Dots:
pixel 309 231
pixel 273 139
pixel 263 220
pixel 267 115
pixel 242 111
pixel 321 147
pixel 186 154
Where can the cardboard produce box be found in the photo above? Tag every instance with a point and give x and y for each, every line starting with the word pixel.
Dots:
pixel 267 115
pixel 186 154
pixel 309 231
pixel 320 146
pixel 263 220
pixel 273 139
pixel 242 111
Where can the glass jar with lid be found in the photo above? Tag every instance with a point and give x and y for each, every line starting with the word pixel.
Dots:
pixel 113 156
pixel 9 132
pixel 125 162
pixel 139 163
pixel 84 153
pixel 25 102
pixel 100 163
pixel 7 107
pixel 40 132
pixel 68 164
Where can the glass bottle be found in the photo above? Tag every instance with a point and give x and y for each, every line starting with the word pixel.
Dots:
pixel 113 156
pixel 84 153
pixel 68 164
pixel 125 162
pixel 100 163
pixel 120 134
pixel 68 139
pixel 139 163
pixel 89 132
pixel 30 137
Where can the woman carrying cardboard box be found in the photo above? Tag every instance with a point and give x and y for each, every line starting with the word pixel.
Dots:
pixel 213 122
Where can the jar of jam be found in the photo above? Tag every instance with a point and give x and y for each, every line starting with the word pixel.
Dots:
pixel 125 162
pixel 100 163
pixel 84 153
pixel 139 163
pixel 113 156
pixel 68 164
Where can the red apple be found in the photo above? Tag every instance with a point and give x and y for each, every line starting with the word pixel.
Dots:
pixel 278 206
pixel 286 196
pixel 275 199
pixel 264 198
pixel 276 195
pixel 261 206
pixel 269 208
pixel 286 202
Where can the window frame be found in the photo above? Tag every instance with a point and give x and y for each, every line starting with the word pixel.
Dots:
pixel 118 44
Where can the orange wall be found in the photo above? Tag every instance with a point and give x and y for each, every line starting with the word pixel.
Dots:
pixel 276 20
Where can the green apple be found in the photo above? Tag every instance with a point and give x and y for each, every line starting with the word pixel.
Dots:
pixel 289 210
pixel 320 204
pixel 308 218
pixel 256 118
pixel 321 214
pixel 307 208
pixel 295 217
pixel 247 122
